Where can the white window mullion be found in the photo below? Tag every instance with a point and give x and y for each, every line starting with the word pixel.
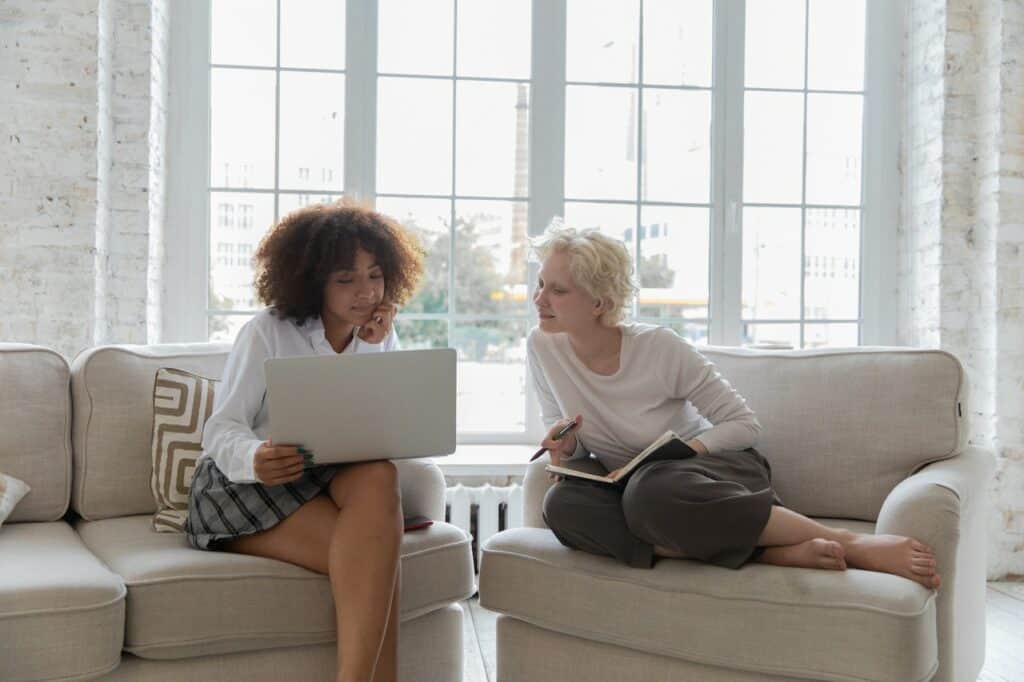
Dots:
pixel 547 143
pixel 186 272
pixel 879 174
pixel 361 99
pixel 726 244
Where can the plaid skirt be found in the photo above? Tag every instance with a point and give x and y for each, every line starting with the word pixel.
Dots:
pixel 220 510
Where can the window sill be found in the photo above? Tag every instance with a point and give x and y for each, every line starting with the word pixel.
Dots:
pixel 475 459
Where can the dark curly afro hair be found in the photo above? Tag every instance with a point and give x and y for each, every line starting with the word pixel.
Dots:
pixel 297 256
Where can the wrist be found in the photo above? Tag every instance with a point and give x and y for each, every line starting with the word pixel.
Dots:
pixel 697 446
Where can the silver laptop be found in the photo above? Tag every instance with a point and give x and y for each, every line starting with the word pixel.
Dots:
pixel 360 406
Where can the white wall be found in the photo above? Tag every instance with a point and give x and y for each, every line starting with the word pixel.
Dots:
pixel 961 276
pixel 79 137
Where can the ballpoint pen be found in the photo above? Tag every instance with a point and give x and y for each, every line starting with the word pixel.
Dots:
pixel 558 436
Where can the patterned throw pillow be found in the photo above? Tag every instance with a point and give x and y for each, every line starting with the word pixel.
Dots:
pixel 182 402
pixel 11 492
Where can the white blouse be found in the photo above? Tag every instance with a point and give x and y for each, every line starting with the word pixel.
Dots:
pixel 240 420
pixel 662 383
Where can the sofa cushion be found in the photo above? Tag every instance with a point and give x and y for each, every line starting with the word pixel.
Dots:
pixel 35 428
pixel 61 610
pixel 185 602
pixel 790 621
pixel 842 427
pixel 182 402
pixel 112 388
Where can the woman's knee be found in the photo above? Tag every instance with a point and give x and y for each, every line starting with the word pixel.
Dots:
pixel 561 506
pixel 376 481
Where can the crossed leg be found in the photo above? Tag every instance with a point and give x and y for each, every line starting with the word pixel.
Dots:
pixel 352 534
pixel 791 539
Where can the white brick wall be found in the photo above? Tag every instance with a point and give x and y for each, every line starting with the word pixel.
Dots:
pixel 78 142
pixel 961 277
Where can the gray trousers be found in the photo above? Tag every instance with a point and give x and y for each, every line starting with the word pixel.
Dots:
pixel 710 507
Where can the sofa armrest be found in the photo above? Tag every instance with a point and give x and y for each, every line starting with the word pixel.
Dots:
pixel 944 505
pixel 423 488
pixel 535 486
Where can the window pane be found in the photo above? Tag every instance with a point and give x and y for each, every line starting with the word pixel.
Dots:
pixel 600 142
pixel 771 263
pixel 286 203
pixel 494 38
pixel 835 45
pixel 618 221
pixel 674 262
pixel 677 146
pixel 492 376
pixel 419 334
pixel 244 32
pixel 774 50
pixel 416 37
pixel 414 152
pixel 834 335
pixel 238 222
pixel 601 40
pixel 834 148
pixel 428 219
pixel 241 128
pixel 772 147
pixel 832 264
pixel 312 131
pixel 225 327
pixel 677 42
pixel 313 34
pixel 771 336
pixel 490 258
pixel 492 139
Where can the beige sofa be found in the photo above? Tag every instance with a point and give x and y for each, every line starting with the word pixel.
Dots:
pixel 92 591
pixel 872 436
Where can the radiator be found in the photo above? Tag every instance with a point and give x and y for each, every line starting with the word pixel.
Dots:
pixel 484 510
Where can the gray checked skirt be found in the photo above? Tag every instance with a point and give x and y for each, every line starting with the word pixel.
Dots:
pixel 220 510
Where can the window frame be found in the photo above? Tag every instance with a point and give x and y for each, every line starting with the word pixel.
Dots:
pixel 188 165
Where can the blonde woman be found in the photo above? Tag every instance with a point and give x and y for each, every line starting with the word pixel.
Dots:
pixel 626 384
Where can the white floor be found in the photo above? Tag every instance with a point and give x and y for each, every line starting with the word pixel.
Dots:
pixel 1004 659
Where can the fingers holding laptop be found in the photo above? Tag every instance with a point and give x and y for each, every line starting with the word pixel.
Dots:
pixel 277 464
pixel 379 325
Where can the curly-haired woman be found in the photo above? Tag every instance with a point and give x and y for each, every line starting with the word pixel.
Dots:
pixel 627 384
pixel 331 276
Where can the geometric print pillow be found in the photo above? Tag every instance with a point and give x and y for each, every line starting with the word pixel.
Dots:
pixel 182 402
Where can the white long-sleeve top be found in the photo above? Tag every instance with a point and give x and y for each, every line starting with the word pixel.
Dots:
pixel 240 419
pixel 662 383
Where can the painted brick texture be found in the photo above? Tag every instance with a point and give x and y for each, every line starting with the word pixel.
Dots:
pixel 961 278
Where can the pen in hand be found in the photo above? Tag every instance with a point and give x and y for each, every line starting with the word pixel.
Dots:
pixel 558 436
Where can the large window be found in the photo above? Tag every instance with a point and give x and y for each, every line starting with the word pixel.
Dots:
pixel 727 144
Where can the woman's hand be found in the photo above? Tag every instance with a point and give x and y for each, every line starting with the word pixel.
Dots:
pixel 277 464
pixel 562 447
pixel 697 446
pixel 379 325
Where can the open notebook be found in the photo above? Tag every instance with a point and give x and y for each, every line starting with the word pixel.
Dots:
pixel 668 446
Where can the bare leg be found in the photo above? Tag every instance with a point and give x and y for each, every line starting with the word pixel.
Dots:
pixel 364 557
pixel 320 537
pixel 790 532
pixel 387 662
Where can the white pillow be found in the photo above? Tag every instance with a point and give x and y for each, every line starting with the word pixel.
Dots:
pixel 11 492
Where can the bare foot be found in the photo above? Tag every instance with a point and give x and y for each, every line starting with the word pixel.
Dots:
pixel 893 554
pixel 816 553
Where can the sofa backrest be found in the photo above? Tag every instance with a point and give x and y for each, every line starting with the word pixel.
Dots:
pixel 112 388
pixel 35 428
pixel 842 427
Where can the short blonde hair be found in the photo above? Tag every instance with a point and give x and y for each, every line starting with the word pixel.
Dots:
pixel 599 265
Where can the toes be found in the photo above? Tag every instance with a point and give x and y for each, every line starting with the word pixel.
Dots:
pixel 920 547
pixel 922 570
